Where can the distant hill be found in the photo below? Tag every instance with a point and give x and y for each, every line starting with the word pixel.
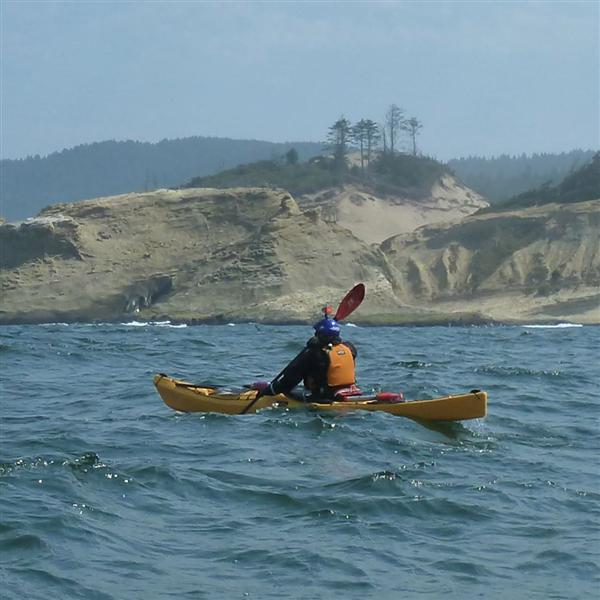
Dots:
pixel 110 167
pixel 503 177
pixel 578 186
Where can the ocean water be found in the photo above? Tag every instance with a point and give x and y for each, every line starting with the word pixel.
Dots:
pixel 106 493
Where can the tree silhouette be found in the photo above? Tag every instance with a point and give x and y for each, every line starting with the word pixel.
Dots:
pixel 366 134
pixel 393 120
pixel 337 140
pixel 372 137
pixel 291 157
pixel 413 126
pixel 359 136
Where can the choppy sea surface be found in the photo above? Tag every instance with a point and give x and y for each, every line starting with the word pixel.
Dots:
pixel 106 493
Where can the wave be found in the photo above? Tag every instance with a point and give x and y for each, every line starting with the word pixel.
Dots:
pixel 85 460
pixel 80 466
pixel 412 364
pixel 557 326
pixel 154 324
pixel 24 541
pixel 520 372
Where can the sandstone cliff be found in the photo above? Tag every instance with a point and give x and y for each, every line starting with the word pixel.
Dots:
pixel 373 216
pixel 540 263
pixel 254 254
pixel 189 254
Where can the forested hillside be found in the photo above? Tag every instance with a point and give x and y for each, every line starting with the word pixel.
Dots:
pixel 579 186
pixel 109 168
pixel 502 177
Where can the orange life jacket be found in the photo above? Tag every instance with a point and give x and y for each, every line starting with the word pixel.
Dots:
pixel 341 366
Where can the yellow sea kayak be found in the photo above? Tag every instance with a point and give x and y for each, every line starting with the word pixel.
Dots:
pixel 190 397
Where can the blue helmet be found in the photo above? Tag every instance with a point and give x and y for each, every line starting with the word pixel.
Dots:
pixel 328 328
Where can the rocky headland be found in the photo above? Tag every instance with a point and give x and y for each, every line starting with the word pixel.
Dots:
pixel 257 254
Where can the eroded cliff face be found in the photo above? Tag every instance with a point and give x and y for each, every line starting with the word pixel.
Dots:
pixel 374 217
pixel 537 263
pixel 101 258
pixel 253 254
pixel 190 254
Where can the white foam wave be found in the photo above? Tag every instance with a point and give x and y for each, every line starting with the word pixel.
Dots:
pixel 154 324
pixel 557 326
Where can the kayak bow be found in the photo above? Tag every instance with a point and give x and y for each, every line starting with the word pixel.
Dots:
pixel 189 397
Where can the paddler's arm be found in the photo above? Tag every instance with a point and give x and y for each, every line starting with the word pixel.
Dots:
pixel 290 377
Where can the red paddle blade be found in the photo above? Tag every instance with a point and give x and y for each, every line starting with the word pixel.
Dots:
pixel 351 302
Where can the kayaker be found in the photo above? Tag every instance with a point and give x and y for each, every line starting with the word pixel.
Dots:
pixel 326 365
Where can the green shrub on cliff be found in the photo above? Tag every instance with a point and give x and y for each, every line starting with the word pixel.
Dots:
pixel 302 178
pixel 387 174
pixel 406 171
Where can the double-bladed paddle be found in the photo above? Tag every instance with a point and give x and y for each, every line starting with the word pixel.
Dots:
pixel 351 301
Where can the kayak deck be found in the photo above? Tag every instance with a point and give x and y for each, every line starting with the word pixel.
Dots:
pixel 189 397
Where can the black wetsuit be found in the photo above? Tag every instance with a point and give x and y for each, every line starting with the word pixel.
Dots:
pixel 310 366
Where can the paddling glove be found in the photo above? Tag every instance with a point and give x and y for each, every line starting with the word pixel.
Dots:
pixel 265 391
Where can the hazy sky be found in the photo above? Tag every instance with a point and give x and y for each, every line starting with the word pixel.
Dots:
pixel 484 77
